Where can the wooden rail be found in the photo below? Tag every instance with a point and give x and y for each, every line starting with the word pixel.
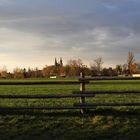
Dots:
pixel 107 92
pixel 48 107
pixel 108 78
pixel 107 104
pixel 45 96
pixel 44 83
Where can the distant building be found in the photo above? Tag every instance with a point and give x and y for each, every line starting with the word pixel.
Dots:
pixel 135 75
pixel 58 64
pixel 53 77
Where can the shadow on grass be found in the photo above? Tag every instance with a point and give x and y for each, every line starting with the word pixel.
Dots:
pixel 69 113
pixel 100 123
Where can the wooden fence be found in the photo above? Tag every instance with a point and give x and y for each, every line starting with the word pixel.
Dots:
pixel 82 94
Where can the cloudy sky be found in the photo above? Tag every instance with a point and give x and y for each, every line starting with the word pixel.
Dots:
pixel 34 32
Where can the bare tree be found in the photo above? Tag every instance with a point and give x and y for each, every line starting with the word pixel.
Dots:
pixel 130 62
pixel 97 65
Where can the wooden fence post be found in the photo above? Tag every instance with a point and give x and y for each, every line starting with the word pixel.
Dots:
pixel 82 88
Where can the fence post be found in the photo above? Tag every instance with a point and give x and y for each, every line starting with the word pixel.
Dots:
pixel 82 88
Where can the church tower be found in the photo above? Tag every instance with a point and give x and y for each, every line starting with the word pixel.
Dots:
pixel 61 62
pixel 55 62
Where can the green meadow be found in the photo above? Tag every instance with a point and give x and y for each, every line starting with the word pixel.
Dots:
pixel 100 123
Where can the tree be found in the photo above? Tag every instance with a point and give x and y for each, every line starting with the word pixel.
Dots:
pixel 18 73
pixel 130 62
pixel 93 70
pixel 137 67
pixel 119 69
pixel 76 66
pixel 67 70
pixel 37 73
pixel 62 72
pixel 3 72
pixel 96 66
pixel 49 71
pixel 24 73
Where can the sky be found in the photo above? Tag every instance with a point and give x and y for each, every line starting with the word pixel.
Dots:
pixel 34 32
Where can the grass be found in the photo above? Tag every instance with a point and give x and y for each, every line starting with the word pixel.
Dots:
pixel 102 123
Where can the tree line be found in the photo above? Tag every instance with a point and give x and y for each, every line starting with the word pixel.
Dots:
pixel 74 67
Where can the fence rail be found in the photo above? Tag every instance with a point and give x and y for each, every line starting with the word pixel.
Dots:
pixel 46 96
pixel 48 107
pixel 44 83
pixel 82 94
pixel 107 92
pixel 107 104
pixel 108 78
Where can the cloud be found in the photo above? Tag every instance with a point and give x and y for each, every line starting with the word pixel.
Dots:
pixel 34 32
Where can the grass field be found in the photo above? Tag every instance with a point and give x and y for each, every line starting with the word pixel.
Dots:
pixel 102 123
